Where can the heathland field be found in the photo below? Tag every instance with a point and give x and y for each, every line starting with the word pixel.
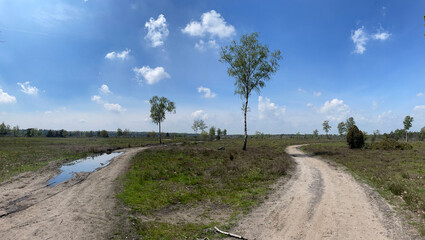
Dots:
pixel 20 154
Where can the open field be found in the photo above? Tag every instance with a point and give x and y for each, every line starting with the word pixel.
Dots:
pixel 20 154
pixel 397 174
pixel 178 192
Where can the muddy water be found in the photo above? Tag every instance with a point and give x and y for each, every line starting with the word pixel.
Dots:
pixel 88 164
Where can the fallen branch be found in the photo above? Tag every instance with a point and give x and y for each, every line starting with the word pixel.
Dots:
pixel 229 234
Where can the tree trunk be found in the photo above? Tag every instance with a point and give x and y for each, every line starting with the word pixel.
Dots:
pixel 160 136
pixel 246 129
pixel 406 135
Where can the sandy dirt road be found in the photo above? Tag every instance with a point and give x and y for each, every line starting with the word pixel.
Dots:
pixel 80 208
pixel 322 201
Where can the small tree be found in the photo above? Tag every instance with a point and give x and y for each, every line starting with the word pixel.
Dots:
pixel 158 108
pixel 103 134
pixel 341 128
pixel 198 125
pixel 126 132
pixel 326 127
pixel 376 133
pixel 407 124
pixel 316 133
pixel 204 135
pixel 212 132
pixel 119 132
pixel 349 123
pixel 251 64
pixel 422 133
pixel 219 133
pixel 355 138
pixel 224 132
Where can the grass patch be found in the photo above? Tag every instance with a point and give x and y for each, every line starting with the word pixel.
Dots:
pixel 202 180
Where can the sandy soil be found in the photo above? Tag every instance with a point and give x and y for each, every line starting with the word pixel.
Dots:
pixel 322 201
pixel 80 208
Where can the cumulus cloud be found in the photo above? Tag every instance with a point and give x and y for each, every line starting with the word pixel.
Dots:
pixel 317 94
pixel 301 90
pixel 335 109
pixel 211 23
pixel 97 99
pixel 104 89
pixel 28 89
pixel 419 107
pixel 359 38
pixel 309 104
pixel 114 107
pixel 157 31
pixel 123 55
pixel 420 94
pixel 207 92
pixel 381 34
pixel 199 114
pixel 6 98
pixel 268 109
pixel 151 75
pixel 202 45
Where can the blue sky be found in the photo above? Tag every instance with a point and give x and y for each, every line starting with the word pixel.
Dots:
pixel 89 65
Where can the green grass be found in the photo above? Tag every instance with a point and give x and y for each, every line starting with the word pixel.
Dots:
pixel 198 176
pixel 21 154
pixel 394 173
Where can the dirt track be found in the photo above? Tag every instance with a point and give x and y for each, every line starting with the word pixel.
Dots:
pixel 322 201
pixel 81 208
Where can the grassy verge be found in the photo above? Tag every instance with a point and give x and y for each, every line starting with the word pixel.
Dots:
pixel 396 174
pixel 20 154
pixel 180 191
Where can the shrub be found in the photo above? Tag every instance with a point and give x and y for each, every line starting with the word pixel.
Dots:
pixel 355 138
pixel 390 144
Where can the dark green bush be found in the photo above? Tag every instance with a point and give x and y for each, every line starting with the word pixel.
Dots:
pixel 390 144
pixel 396 188
pixel 355 138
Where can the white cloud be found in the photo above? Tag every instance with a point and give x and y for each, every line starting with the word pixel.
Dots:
pixel 28 89
pixel 114 107
pixel 381 35
pixel 151 75
pixel 385 115
pixel 335 109
pixel 211 23
pixel 359 38
pixel 419 107
pixel 268 109
pixel 420 94
pixel 199 114
pixel 202 46
pixel 123 55
pixel 6 98
pixel 157 31
pixel 104 89
pixel 317 94
pixel 309 104
pixel 207 92
pixel 97 99
pixel 301 90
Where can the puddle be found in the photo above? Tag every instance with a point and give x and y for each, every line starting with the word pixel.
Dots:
pixel 88 164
